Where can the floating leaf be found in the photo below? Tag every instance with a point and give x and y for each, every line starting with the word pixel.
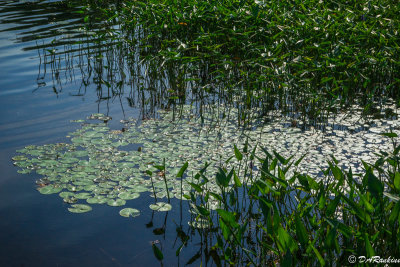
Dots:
pixel 129 212
pixel 49 189
pixel 161 206
pixel 97 200
pixel 128 196
pixel 79 208
pixel 83 195
pixel 116 202
pixel 18 158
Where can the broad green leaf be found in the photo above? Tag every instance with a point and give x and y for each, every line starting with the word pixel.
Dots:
pixel 236 180
pixel 330 210
pixel 238 155
pixel 374 185
pixel 228 217
pixel 196 187
pixel 286 241
pixel 221 178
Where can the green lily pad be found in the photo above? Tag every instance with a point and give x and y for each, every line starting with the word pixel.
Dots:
pixel 116 202
pixel 17 158
pixel 129 212
pixel 80 208
pixel 161 206
pixel 49 189
pixel 70 200
pixel 139 189
pixel 97 200
pixel 90 187
pixel 66 194
pixel 128 196
pixel 74 188
pixel 83 195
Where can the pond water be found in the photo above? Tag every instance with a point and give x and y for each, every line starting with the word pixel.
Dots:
pixel 54 72
pixel 35 109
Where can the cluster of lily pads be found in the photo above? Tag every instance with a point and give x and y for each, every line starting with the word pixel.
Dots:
pixel 105 166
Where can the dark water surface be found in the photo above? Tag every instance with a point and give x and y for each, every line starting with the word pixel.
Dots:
pixel 42 88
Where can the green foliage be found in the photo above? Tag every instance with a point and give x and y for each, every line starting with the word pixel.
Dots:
pixel 302 219
pixel 324 53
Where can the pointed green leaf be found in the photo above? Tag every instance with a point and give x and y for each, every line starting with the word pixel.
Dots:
pixel 397 180
pixel 238 155
pixel 182 170
pixel 157 252
pixel 301 232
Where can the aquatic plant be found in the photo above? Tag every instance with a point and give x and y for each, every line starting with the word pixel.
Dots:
pixel 311 58
pixel 114 167
pixel 298 220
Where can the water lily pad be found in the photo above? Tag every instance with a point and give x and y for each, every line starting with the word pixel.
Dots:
pixel 70 200
pixel 129 212
pixel 83 195
pixel 139 189
pixel 17 158
pixel 79 208
pixel 97 200
pixel 116 202
pixel 49 189
pixel 128 196
pixel 66 194
pixel 161 206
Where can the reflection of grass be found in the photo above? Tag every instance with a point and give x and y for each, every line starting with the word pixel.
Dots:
pixel 286 220
pixel 304 58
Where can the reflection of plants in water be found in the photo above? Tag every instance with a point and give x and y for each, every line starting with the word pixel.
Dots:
pixel 271 54
pixel 191 54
